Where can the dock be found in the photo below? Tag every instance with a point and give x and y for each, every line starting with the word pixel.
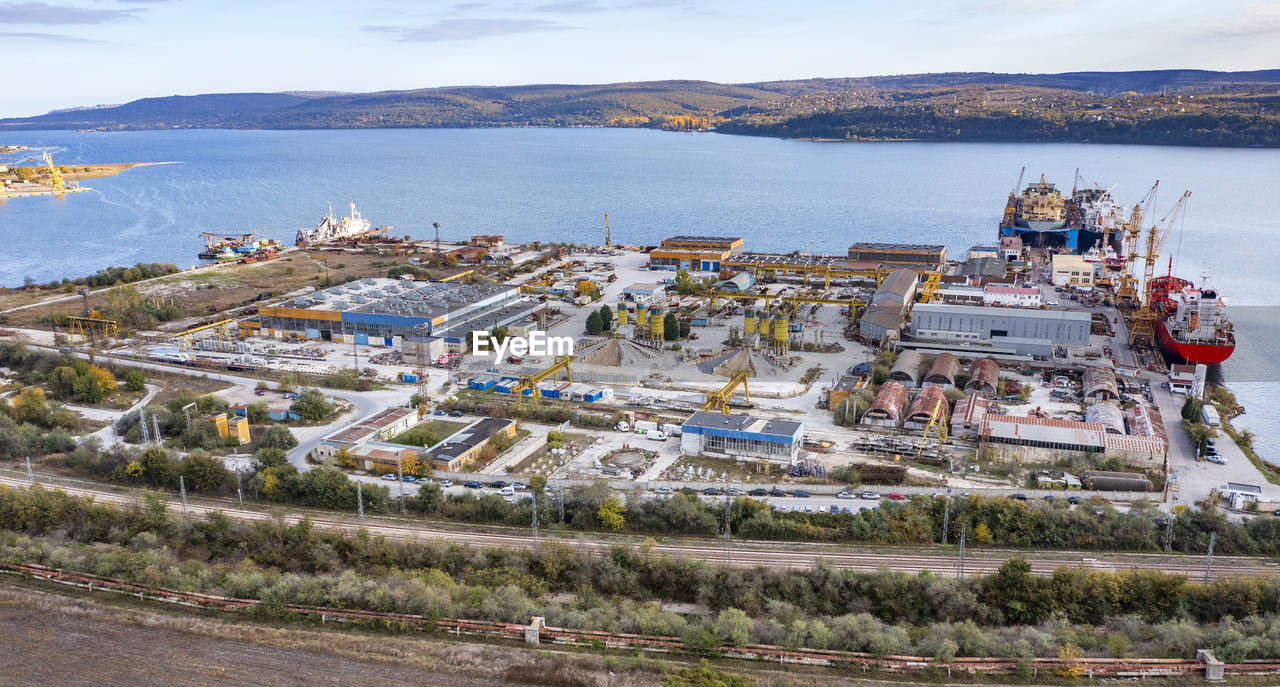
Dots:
pixel 43 192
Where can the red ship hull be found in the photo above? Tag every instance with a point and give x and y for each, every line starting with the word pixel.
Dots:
pixel 1192 353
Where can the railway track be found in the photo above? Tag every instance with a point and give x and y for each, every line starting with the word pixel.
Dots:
pixel 740 553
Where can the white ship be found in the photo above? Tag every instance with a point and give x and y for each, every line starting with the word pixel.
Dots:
pixel 334 229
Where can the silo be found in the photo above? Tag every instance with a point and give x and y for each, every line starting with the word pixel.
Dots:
pixel 655 324
pixel 641 315
pixel 780 336
pixel 622 314
pixel 748 321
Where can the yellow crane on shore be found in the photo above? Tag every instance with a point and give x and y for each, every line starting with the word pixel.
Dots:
pixel 719 400
pixel 56 183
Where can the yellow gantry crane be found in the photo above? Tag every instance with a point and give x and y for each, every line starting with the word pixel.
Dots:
pixel 186 338
pixel 607 242
pixel 56 183
pixel 793 301
pixel 1143 323
pixel 719 400
pixel 929 288
pixel 87 327
pixel 531 381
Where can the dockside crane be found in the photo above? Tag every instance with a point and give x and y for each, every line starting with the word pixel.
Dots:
pixel 1127 292
pixel 56 182
pixel 530 382
pixel 607 242
pixel 1142 327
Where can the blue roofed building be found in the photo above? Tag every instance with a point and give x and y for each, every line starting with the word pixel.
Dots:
pixel 742 437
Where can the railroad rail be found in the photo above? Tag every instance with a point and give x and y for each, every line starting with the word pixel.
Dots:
pixel 537 633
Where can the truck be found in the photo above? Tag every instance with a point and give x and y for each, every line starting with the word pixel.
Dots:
pixel 1210 415
pixel 613 277
pixel 671 430
pixel 622 426
pixel 656 435
pixel 646 426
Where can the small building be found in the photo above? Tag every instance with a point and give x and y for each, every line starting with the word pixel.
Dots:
pixel 643 293
pixel 219 420
pixel 742 437
pixel 461 450
pixel 883 318
pixel 1036 439
pixel 1072 271
pixel 377 456
pixel 846 386
pixel 1028 331
pixel 923 407
pixel 380 426
pixel 978 252
pixel 1108 415
pixel 1011 296
pixel 968 414
pixel 984 377
pixel 1011 247
pixel 1181 378
pixel 906 370
pixel 282 414
pixel 886 409
pixel 694 253
pixel 961 294
pixel 1145 421
pixel 241 409
pixel 737 283
pixel 1100 384
pixel 487 240
pixel 942 372
pixel 238 427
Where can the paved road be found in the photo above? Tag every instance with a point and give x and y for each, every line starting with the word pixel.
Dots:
pixel 745 553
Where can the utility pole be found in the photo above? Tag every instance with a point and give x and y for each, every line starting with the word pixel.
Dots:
pixel 535 523
pixel 728 521
pixel 437 228
pixel 1208 561
pixel 1168 532
pixel 155 430
pixel 182 489
pixel 142 422
pixel 239 492
pixel 946 516
pixel 400 478
pixel 561 503
pixel 360 500
pixel 355 351
pixel 31 476
pixel 964 527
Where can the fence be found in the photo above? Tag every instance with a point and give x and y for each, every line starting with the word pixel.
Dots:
pixel 537 633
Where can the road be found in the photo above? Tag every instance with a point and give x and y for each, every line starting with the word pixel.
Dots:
pixel 745 553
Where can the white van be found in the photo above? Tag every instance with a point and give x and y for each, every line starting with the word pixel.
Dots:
pixel 507 491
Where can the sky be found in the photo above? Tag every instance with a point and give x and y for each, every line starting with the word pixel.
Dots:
pixel 69 53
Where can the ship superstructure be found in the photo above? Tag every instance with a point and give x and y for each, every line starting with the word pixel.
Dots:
pixel 1193 324
pixel 333 228
pixel 1081 220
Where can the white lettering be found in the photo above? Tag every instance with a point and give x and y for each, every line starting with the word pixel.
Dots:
pixel 500 347
pixel 519 345
pixel 559 345
pixel 479 341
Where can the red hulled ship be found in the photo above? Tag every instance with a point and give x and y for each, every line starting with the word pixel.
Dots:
pixel 1193 324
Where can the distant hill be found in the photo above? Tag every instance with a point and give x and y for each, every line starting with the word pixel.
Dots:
pixel 1234 108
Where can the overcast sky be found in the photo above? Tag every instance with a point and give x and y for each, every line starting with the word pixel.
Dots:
pixel 66 53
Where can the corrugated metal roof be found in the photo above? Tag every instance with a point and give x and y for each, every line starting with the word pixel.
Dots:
pixel 983 372
pixel 926 400
pixel 944 369
pixel 908 365
pixel 889 400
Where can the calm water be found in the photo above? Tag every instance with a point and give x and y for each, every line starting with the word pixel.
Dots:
pixel 555 184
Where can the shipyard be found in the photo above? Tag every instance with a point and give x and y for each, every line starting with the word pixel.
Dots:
pixel 1054 359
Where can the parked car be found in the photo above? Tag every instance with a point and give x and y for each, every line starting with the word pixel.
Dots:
pixel 423 480
pixel 846 509
pixel 408 478
pixel 455 413
pixel 869 495
pixel 507 491
pixel 1073 500
pixel 1050 497
pixel 800 493
pixel 439 412
pixel 1018 497
pixel 734 491
pixel 1276 511
pixel 1215 458
pixel 712 491
pixel 758 492
pixel 775 492
pixel 835 508
pixel 259 392
pixel 472 484
pixel 509 498
pixel 389 477
pixel 808 509
pixel 446 483
pixel 896 496
pixel 664 490
pixel 497 484
pixel 844 495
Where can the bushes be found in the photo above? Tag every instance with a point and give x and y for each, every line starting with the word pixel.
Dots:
pixel 311 406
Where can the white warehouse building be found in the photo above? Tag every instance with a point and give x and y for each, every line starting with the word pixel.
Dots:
pixel 741 437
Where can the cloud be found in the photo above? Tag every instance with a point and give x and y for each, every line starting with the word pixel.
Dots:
pixel 140 2
pixel 570 7
pixel 51 37
pixel 1258 20
pixel 464 6
pixel 44 13
pixel 466 29
pixel 1026 5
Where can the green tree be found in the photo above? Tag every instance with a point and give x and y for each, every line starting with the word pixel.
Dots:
pixel 134 379
pixel 256 412
pixel 289 381
pixel 278 436
pixel 159 467
pixel 269 457
pixel 31 406
pixel 670 327
pixel 705 676
pixel 430 498
pixel 733 626
pixel 606 317
pixel 611 514
pixel 594 326
pixel 311 406
pixel 204 473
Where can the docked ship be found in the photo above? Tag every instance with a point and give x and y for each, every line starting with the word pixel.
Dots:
pixel 1105 255
pixel 1192 323
pixel 332 228
pixel 1043 217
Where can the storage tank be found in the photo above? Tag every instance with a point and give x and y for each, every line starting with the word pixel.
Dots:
pixel 655 324
pixel 641 315
pixel 1115 481
pixel 780 336
pixel 748 321
pixel 622 314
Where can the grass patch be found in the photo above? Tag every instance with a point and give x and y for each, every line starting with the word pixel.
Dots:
pixel 428 433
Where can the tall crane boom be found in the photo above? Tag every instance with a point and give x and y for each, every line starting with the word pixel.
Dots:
pixel 56 183
pixel 1144 319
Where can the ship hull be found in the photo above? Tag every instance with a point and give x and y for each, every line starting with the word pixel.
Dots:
pixel 1207 354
